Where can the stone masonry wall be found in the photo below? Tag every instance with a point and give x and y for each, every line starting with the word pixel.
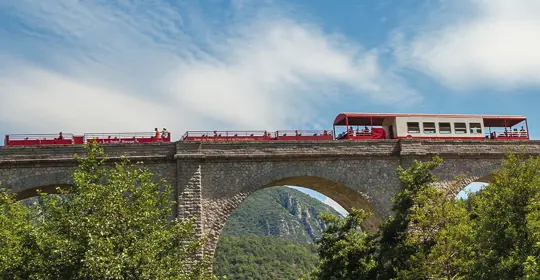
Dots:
pixel 354 174
pixel 25 169
pixel 360 183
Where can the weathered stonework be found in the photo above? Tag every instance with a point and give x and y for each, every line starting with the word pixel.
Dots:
pixel 212 179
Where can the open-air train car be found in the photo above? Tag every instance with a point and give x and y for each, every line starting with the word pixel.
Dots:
pixel 365 126
pixel 356 126
pixel 262 135
pixel 71 139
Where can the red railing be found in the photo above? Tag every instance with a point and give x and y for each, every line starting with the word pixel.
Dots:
pixel 258 135
pixel 38 139
pixel 304 135
pixel 130 137
pixel 508 135
pixel 68 138
pixel 226 135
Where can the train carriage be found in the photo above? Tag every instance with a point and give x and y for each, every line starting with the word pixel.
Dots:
pixel 367 126
pixel 257 135
pixel 353 126
pixel 71 139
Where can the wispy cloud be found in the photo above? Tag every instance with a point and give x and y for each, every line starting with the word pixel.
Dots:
pixel 478 44
pixel 133 65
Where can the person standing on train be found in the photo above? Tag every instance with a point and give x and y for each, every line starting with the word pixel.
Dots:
pixel 164 133
pixel 157 132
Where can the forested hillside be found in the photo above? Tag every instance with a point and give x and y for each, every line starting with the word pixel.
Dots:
pixel 271 236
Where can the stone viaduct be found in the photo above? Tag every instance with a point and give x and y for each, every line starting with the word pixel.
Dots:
pixel 212 179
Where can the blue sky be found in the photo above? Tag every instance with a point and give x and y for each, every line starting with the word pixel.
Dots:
pixel 114 66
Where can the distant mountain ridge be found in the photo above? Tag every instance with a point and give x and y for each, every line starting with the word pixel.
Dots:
pixel 279 212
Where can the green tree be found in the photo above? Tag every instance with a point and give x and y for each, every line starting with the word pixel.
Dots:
pixel 263 257
pixel 427 238
pixel 394 249
pixel 441 232
pixel 506 222
pixel 17 243
pixel 494 234
pixel 345 252
pixel 114 223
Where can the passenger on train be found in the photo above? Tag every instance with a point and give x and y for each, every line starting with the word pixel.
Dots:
pixel 164 133
pixel 60 136
pixel 157 132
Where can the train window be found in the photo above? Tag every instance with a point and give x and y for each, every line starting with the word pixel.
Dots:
pixel 413 127
pixel 429 127
pixel 460 128
pixel 445 128
pixel 475 128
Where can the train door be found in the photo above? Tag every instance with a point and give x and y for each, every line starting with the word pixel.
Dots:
pixel 391 132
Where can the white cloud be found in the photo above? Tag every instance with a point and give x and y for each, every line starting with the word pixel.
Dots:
pixel 328 201
pixel 34 98
pixel 495 44
pixel 120 68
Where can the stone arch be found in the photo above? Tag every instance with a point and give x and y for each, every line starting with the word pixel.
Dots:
pixel 458 180
pixel 27 186
pixel 328 180
pixel 32 192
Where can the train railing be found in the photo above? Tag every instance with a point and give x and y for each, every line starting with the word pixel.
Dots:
pixel 38 139
pixel 304 135
pixel 128 137
pixel 217 135
pixel 501 134
pixel 258 135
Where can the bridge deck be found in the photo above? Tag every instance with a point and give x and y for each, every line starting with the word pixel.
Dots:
pixel 293 149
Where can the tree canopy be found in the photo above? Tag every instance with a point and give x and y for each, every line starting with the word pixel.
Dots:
pixel 493 234
pixel 114 223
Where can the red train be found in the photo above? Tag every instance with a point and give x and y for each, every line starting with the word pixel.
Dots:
pixel 353 126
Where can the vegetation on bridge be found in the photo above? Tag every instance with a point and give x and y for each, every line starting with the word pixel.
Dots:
pixel 112 224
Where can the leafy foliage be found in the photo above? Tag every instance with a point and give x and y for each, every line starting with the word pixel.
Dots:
pixel 17 241
pixel 112 224
pixel 263 257
pixel 494 234
pixel 394 251
pixel 506 221
pixel 346 252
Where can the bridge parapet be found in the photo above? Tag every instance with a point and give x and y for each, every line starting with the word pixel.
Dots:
pixel 64 153
pixel 279 150
pixel 284 150
pixel 465 148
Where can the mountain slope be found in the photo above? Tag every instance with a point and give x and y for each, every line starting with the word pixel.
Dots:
pixel 264 258
pixel 280 212
pixel 271 235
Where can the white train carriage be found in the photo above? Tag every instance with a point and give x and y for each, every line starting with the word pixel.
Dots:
pixel 368 126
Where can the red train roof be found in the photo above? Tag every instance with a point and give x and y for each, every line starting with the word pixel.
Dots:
pixel 377 118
